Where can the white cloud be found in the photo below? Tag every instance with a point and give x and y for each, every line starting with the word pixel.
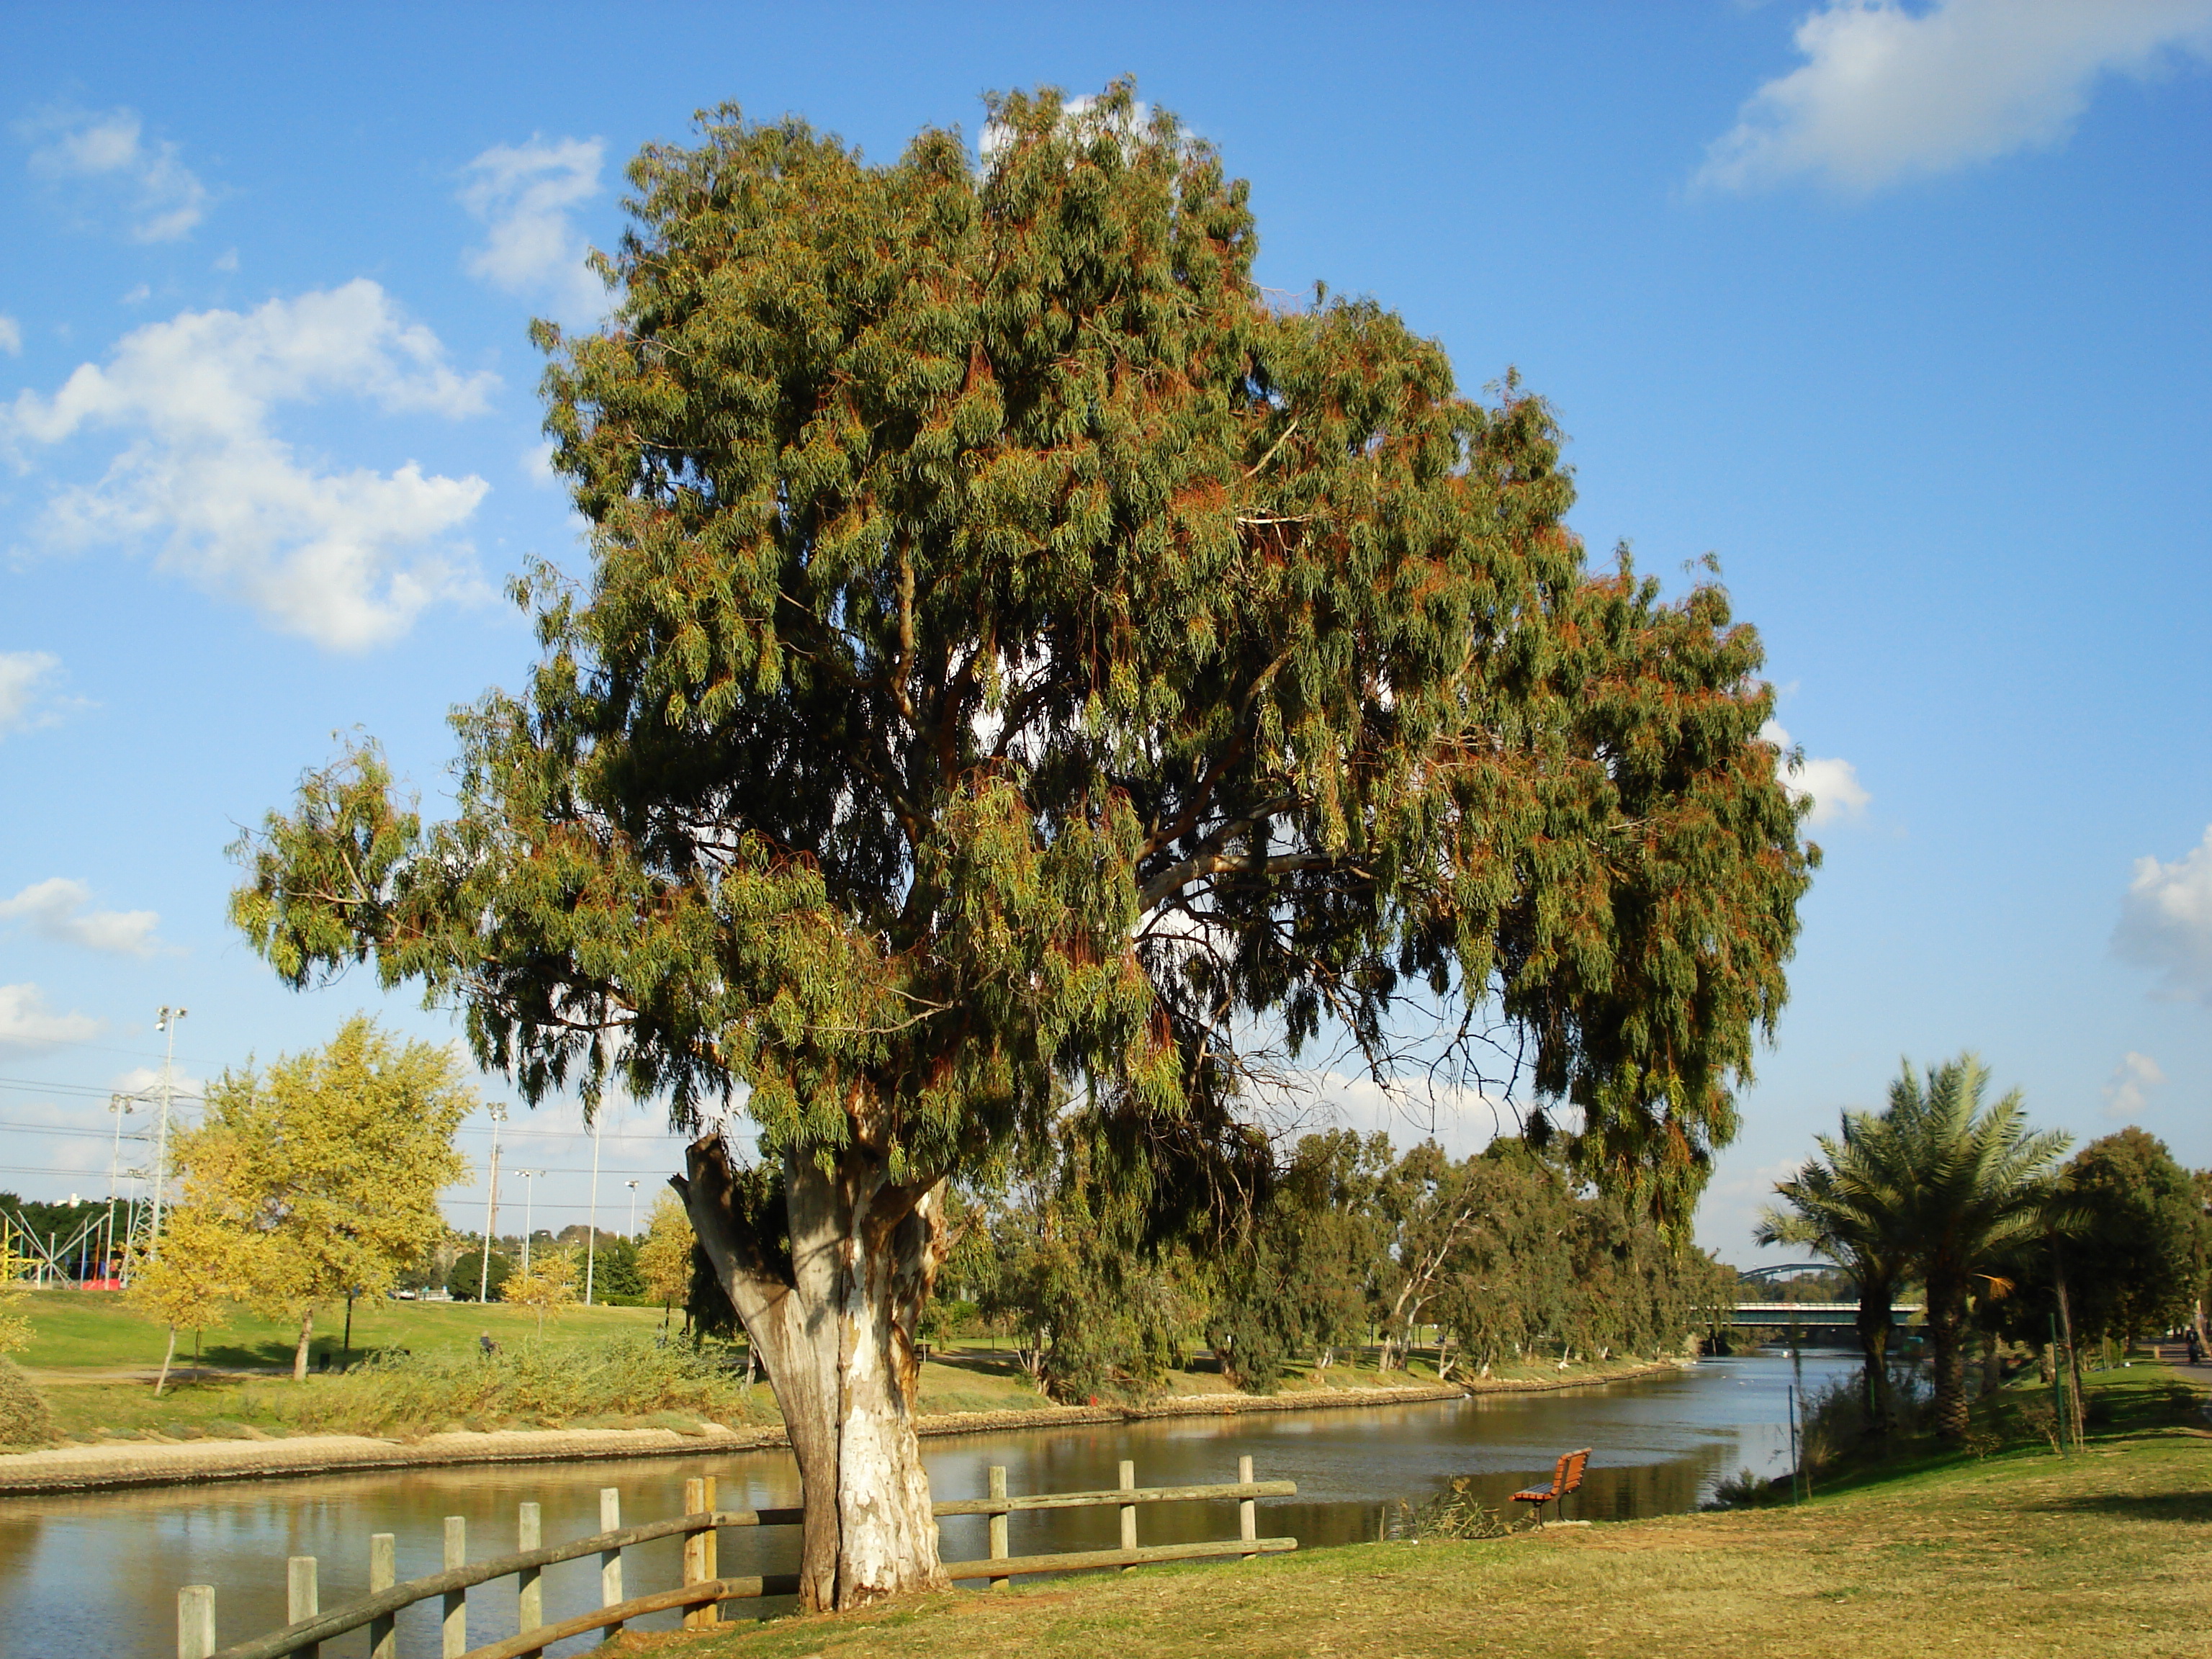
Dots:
pixel 59 908
pixel 525 194
pixel 1833 784
pixel 347 558
pixel 22 675
pixel 138 296
pixel 165 199
pixel 2166 922
pixel 1887 93
pixel 2131 1078
pixel 27 1024
pixel 225 261
pixel 1461 1119
pixel 11 336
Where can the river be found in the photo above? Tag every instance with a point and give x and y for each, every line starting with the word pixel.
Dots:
pixel 98 1573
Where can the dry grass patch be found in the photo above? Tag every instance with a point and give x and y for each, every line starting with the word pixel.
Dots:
pixel 2020 1556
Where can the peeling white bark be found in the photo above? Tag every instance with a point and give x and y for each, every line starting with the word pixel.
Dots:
pixel 835 1336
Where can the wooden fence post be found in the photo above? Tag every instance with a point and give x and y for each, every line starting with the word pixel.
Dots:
pixel 1248 1510
pixel 999 1524
pixel 1128 1510
pixel 301 1600
pixel 695 1548
pixel 195 1621
pixel 610 1560
pixel 530 1593
pixel 453 1632
pixel 711 1614
pixel 383 1574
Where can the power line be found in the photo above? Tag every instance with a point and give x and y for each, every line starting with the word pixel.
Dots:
pixel 25 1083
pixel 56 1129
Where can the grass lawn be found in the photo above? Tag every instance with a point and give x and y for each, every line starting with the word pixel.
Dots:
pixel 97 1330
pixel 2021 1555
pixel 88 1347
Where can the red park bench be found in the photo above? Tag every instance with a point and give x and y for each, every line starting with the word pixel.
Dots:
pixel 1566 1478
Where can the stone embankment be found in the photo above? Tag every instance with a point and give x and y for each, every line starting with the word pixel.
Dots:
pixel 154 1463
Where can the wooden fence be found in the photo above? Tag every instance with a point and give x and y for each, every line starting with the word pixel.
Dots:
pixel 703 1589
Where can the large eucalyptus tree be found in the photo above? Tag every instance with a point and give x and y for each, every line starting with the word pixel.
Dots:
pixel 1020 664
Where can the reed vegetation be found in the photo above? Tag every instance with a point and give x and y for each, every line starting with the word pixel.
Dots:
pixel 617 1384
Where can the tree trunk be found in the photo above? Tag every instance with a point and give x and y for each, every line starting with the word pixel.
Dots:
pixel 835 1329
pixel 300 1354
pixel 162 1382
pixel 1946 1337
pixel 1875 1323
pixel 1992 1364
pixel 2079 1405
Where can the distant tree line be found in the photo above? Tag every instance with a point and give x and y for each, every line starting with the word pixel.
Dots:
pixel 1968 1202
pixel 1350 1248
pixel 610 1261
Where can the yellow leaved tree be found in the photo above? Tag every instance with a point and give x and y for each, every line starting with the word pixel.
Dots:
pixel 663 1259
pixel 547 1286
pixel 328 1168
pixel 203 1268
pixel 14 1328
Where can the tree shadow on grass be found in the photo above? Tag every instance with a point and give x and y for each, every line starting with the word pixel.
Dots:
pixel 982 1365
pixel 2154 1506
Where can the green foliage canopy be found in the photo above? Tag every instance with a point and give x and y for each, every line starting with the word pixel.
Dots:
pixel 1015 651
pixel 2134 1250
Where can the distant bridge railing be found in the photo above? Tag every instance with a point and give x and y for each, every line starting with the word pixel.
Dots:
pixel 1812 1315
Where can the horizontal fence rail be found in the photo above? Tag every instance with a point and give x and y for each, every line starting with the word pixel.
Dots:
pixel 702 1589
pixel 1084 1500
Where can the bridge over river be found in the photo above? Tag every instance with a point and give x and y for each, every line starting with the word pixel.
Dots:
pixel 1816 1316
pixel 1808 1316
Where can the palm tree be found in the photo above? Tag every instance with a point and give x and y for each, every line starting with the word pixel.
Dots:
pixel 1979 1182
pixel 1849 1204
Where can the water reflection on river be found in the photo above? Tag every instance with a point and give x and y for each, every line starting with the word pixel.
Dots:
pixel 99 1573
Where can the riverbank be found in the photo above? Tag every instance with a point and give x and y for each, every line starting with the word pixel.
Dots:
pixel 257 1455
pixel 2018 1555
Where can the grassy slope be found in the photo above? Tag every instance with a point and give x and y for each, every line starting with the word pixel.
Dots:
pixel 87 1344
pixel 82 1340
pixel 2019 1556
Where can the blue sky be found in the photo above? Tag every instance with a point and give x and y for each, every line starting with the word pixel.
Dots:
pixel 1899 310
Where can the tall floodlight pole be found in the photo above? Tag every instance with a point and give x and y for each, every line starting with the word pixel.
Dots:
pixel 168 1023
pixel 529 1196
pixel 632 1185
pixel 592 1237
pixel 491 1207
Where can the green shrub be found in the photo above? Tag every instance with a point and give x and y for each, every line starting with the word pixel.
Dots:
pixel 538 1383
pixel 24 1419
